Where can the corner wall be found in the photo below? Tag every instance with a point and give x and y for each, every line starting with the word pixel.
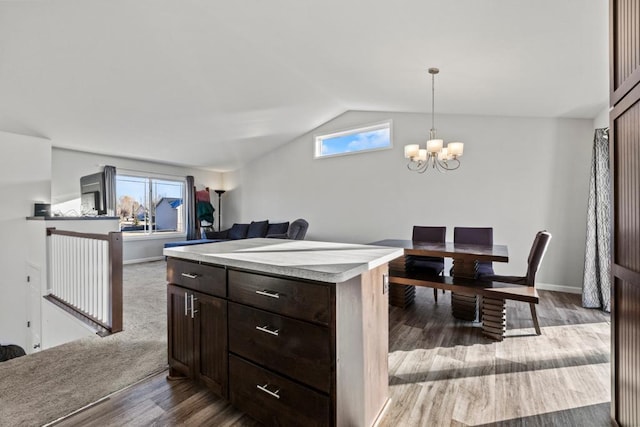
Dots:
pixel 518 175
pixel 68 166
pixel 25 178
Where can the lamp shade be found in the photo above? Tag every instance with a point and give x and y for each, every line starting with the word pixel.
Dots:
pixel 455 148
pixel 434 145
pixel 422 154
pixel 411 150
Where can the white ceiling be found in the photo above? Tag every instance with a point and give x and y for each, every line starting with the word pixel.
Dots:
pixel 215 83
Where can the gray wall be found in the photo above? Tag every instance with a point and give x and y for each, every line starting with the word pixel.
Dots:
pixel 518 175
pixel 68 166
pixel 602 119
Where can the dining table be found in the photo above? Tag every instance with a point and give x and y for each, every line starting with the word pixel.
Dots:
pixel 465 259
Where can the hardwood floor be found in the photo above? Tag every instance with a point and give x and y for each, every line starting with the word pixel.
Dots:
pixel 442 372
pixel 160 402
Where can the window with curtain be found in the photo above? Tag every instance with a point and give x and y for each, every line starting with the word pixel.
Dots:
pixel 148 205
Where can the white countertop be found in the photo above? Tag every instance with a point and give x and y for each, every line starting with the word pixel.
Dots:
pixel 305 259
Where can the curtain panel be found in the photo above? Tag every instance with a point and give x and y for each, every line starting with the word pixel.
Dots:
pixel 190 203
pixel 596 291
pixel 110 190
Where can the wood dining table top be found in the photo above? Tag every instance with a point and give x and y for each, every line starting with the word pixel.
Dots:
pixel 497 253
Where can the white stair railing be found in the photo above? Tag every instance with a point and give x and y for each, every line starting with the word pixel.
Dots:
pixel 85 274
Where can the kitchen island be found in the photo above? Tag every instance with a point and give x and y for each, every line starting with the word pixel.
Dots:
pixel 291 332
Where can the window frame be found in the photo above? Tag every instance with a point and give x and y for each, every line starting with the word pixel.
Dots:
pixel 319 138
pixel 151 234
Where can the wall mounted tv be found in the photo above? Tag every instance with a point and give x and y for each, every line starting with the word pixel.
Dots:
pixel 92 194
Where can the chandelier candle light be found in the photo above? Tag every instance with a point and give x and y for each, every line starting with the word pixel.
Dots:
pixel 435 155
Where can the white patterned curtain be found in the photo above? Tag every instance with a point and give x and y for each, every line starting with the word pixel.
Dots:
pixel 596 290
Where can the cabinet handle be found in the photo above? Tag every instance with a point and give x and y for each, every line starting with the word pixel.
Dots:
pixel 266 329
pixel 269 392
pixel 193 312
pixel 189 276
pixel 267 293
pixel 186 303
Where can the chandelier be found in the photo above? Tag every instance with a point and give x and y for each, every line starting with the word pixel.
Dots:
pixel 434 156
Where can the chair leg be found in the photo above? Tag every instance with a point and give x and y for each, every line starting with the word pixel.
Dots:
pixel 535 318
pixel 435 294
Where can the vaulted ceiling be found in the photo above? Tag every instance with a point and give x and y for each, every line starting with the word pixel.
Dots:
pixel 216 83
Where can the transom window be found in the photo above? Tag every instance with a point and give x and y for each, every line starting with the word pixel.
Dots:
pixel 367 138
pixel 148 205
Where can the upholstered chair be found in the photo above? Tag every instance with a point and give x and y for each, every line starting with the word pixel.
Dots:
pixel 432 265
pixel 538 249
pixel 475 236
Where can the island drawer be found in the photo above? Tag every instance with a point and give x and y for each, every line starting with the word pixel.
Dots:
pixel 297 349
pixel 302 300
pixel 205 278
pixel 274 400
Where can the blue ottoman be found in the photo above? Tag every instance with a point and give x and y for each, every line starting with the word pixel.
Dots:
pixel 189 242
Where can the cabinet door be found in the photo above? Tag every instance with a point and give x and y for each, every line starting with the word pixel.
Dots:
pixel 180 330
pixel 624 143
pixel 211 364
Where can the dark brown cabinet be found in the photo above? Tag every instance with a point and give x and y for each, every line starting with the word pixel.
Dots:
pixel 180 328
pixel 624 145
pixel 292 347
pixel 197 335
pixel 273 399
pixel 286 351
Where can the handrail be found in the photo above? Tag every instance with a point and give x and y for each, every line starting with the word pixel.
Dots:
pixel 53 230
pixel 85 277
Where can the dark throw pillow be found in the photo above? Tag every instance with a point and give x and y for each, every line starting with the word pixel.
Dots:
pixel 257 229
pixel 238 231
pixel 278 228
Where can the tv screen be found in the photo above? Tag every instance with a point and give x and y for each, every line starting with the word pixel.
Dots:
pixel 92 196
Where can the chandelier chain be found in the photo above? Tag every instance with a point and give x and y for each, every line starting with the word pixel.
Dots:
pixel 433 105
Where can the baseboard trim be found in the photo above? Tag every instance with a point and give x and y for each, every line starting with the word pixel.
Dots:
pixel 141 260
pixel 558 288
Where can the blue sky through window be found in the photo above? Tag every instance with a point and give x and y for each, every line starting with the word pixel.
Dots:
pixel 354 142
pixel 137 188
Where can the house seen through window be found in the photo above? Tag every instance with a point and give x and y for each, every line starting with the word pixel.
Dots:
pixel 368 138
pixel 149 205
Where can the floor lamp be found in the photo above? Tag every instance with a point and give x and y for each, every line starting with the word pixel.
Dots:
pixel 220 192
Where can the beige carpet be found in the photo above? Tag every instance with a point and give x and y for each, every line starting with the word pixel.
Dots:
pixel 40 388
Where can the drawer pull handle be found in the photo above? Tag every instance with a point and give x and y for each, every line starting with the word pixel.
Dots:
pixel 267 293
pixel 269 392
pixel 189 276
pixel 266 329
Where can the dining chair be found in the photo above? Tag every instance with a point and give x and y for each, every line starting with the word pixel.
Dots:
pixel 538 249
pixel 475 236
pixel 432 265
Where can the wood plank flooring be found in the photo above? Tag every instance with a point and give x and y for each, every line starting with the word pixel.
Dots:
pixel 442 372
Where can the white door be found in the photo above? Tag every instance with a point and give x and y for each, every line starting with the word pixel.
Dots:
pixel 34 301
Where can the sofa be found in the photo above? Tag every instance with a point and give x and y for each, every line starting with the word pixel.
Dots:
pixel 277 230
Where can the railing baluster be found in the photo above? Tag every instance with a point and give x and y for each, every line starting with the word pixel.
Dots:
pixel 105 281
pixel 92 285
pixel 99 282
pixel 85 273
pixel 86 289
